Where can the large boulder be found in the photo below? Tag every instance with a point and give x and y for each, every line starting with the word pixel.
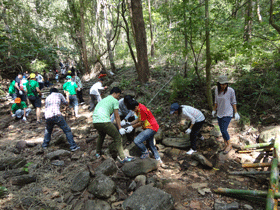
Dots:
pixel 148 197
pixel 108 167
pixel 139 166
pixel 269 133
pixel 203 160
pixel 97 205
pixel 81 181
pixel 102 186
pixel 57 154
pixel 177 142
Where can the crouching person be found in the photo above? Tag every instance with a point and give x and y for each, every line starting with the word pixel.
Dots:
pixel 19 110
pixel 54 117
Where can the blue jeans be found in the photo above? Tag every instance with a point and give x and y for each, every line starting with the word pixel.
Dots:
pixel 223 124
pixel 73 101
pixel 60 121
pixel 146 135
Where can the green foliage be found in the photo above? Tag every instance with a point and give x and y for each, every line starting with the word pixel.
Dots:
pixel 180 87
pixel 125 83
pixel 38 65
pixel 25 168
pixel 3 191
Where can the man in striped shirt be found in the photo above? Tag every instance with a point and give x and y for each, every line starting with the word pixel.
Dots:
pixel 54 117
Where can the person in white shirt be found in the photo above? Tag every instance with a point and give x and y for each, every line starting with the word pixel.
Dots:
pixel 196 118
pixel 40 80
pixel 124 113
pixel 94 93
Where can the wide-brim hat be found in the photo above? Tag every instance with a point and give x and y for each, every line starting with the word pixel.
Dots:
pixel 174 107
pixel 223 79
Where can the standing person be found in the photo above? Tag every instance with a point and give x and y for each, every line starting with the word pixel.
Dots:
pixel 225 107
pixel 124 113
pixel 95 93
pixel 20 93
pixel 54 117
pixel 12 91
pixel 150 127
pixel 102 123
pixel 40 80
pixel 46 79
pixel 26 74
pixel 78 81
pixel 196 118
pixel 70 88
pixel 32 93
pixel 19 110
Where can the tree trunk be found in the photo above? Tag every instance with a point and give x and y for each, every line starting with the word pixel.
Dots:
pixel 258 11
pixel 141 42
pixel 208 58
pixel 82 36
pixel 151 29
pixel 248 22
pixel 271 21
pixel 186 39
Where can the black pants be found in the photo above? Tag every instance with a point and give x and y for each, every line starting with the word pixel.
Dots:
pixel 80 95
pixel 195 133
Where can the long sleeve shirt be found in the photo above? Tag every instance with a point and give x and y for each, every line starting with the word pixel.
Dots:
pixel 192 114
pixel 94 90
pixel 224 102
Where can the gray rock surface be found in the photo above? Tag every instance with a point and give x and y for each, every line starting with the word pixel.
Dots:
pixel 81 181
pixel 226 206
pixel 102 186
pixel 200 158
pixel 177 142
pixel 58 153
pixel 23 180
pixel 12 163
pixel 148 197
pixel 107 167
pixel 97 205
pixel 139 166
pixel 269 133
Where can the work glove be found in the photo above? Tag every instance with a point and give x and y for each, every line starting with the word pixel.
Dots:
pixel 24 118
pixel 20 92
pixel 237 116
pixel 188 131
pixel 129 129
pixel 213 113
pixel 13 115
pixel 122 131
pixel 123 123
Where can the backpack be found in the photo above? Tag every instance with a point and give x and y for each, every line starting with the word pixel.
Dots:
pixel 12 87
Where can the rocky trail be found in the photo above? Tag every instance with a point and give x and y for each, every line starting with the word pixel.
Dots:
pixel 59 179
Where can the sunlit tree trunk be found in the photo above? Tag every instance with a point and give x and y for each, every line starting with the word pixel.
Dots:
pixel 141 42
pixel 258 11
pixel 151 29
pixel 248 22
pixel 208 58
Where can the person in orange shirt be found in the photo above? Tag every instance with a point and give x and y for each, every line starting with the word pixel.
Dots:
pixel 149 125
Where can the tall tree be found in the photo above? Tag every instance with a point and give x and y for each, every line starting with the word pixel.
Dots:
pixel 151 30
pixel 271 17
pixel 248 21
pixel 141 41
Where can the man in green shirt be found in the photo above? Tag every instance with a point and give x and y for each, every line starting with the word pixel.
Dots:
pixel 32 93
pixel 19 110
pixel 104 126
pixel 70 88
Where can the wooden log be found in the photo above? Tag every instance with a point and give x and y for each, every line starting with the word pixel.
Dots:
pixel 256 165
pixel 225 191
pixel 249 172
pixel 260 145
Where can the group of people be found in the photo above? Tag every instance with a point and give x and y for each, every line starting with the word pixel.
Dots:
pixel 127 114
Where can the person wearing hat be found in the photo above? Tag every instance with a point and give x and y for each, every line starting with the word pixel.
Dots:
pixel 19 110
pixel 196 118
pixel 32 92
pixel 225 108
pixel 70 88
pixel 54 117
pixel 94 93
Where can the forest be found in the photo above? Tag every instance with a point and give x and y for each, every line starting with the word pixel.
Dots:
pixel 164 51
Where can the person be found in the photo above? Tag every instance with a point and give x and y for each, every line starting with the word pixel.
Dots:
pixel 196 118
pixel 149 126
pixel 26 74
pixel 70 88
pixel 102 123
pixel 19 109
pixel 46 79
pixel 54 117
pixel 124 113
pixel 40 80
pixel 32 93
pixel 95 93
pixel 225 107
pixel 19 88
pixel 12 91
pixel 78 81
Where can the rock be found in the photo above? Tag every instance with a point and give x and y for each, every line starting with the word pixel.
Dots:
pixel 23 180
pixel 81 181
pixel 173 152
pixel 195 205
pixel 15 172
pixel 225 206
pixel 152 181
pixel 204 190
pixel 108 167
pixel 132 186
pixel 159 135
pixel 96 205
pixel 269 133
pixel 102 186
pixel 57 154
pixel 247 207
pixel 177 142
pixel 27 202
pixel 58 162
pixel 11 163
pixel 199 157
pixel 141 179
pixel 148 197
pixel 20 145
pixel 139 166
pixel 215 132
pixel 114 84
